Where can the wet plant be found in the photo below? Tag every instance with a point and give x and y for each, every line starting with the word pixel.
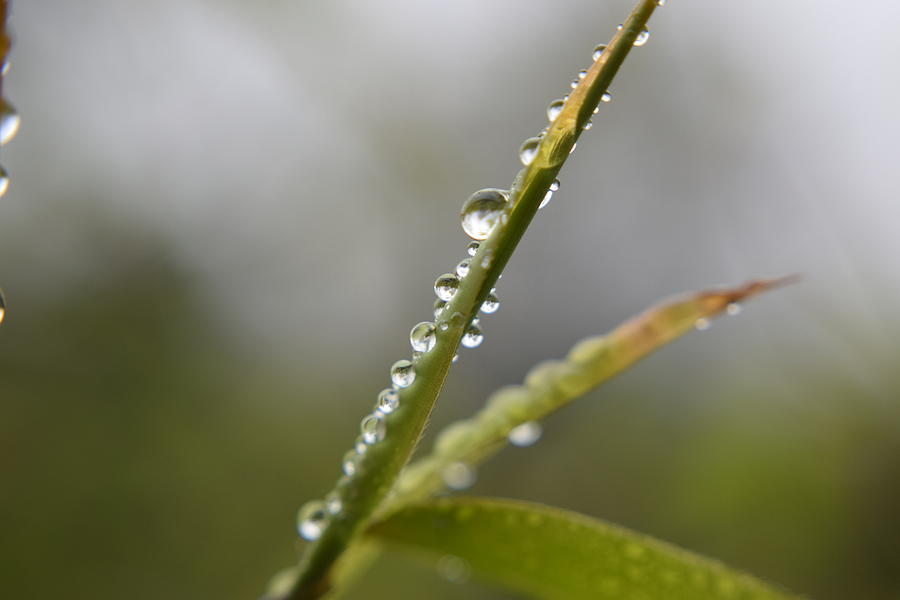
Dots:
pixel 382 499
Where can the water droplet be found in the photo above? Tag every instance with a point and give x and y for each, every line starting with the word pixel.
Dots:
pixel 574 83
pixel 5 68
pixel 660 2
pixel 453 568
pixel 9 122
pixel 350 462
pixel 588 125
pixel 529 149
pixel 582 74
pixel 549 195
pixel 462 269
pixel 373 428
pixel 572 149
pixel 606 97
pixel 642 38
pixel 2 307
pixel 444 326
pixel 311 520
pixel 360 445
pixel 596 109
pixel 491 304
pixel 403 373
pixel 4 181
pixel 554 109
pixel 422 337
pixel 458 476
pixel 702 324
pixel 598 51
pixel 455 358
pixel 487 259
pixel 482 211
pixel 388 401
pixel 620 27
pixel 446 285
pixel 439 306
pixel 525 434
pixel 333 502
pixel 473 337
pixel 733 309
pixel 472 248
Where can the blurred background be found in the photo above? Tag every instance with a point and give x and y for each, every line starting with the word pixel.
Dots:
pixel 224 217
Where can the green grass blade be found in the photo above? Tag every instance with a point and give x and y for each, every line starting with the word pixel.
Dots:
pixel 553 384
pixel 555 554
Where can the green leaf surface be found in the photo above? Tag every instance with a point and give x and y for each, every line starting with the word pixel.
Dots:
pixel 555 554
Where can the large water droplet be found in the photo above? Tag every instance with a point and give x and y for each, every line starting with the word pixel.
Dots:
pixel 9 122
pixel 482 211
pixel 403 373
pixel 462 269
pixel 473 337
pixel 333 502
pixel 4 181
pixel 529 149
pixel 598 51
pixel 446 285
pixel 388 401
pixel 554 109
pixel 472 248
pixel 350 462
pixel 422 337
pixel 491 304
pixel 458 476
pixel 642 38
pixel 373 428
pixel 311 520
pixel 525 434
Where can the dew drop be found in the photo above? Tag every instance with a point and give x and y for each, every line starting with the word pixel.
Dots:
pixel 9 122
pixel 360 445
pixel 458 476
pixel 333 502
pixel 660 2
pixel 642 38
pixel 462 269
pixel 582 74
pixel 444 326
pixel 733 309
pixel 473 336
pixel 529 149
pixel 549 195
pixel 5 68
pixel 403 373
pixel 487 260
pixel 606 97
pixel 702 324
pixel 620 27
pixel 2 307
pixel 588 125
pixel 422 337
pixel 446 285
pixel 525 434
pixel 311 520
pixel 554 109
pixel 4 181
pixel 598 51
pixel 574 83
pixel 472 248
pixel 388 401
pixel 596 109
pixel 491 304
pixel 482 211
pixel 350 462
pixel 373 428
pixel 455 358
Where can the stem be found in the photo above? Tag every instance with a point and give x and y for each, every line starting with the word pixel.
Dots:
pixel 379 468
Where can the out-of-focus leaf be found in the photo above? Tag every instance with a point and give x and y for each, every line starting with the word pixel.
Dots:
pixel 560 555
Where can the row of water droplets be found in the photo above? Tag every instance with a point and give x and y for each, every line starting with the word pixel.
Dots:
pixel 479 216
pixel 9 126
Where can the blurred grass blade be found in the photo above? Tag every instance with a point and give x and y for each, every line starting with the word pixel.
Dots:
pixel 560 555
pixel 553 384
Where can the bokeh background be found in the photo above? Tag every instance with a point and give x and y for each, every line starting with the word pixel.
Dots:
pixel 225 216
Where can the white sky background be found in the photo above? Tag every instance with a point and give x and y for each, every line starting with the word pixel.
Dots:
pixel 308 159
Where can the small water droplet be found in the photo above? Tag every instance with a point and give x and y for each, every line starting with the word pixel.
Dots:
pixel 444 326
pixel 462 269
pixel 487 260
pixel 529 149
pixel 446 285
pixel 733 309
pixel 642 38
pixel 333 502
pixel 4 181
pixel 403 373
pixel 453 568
pixel 388 401
pixel 473 336
pixel 620 27
pixel 702 324
pixel 5 68
pixel 482 211
pixel 660 2
pixel 439 306
pixel 606 97
pixel 572 149
pixel 588 125
pixel 491 304
pixel 574 83
pixel 554 109
pixel 472 248
pixel 598 51
pixel 458 476
pixel 311 520
pixel 422 337
pixel 455 358
pixel 596 109
pixel 373 428
pixel 350 462
pixel 9 122
pixel 525 434
pixel 360 445
pixel 582 74
pixel 2 307
pixel 549 195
